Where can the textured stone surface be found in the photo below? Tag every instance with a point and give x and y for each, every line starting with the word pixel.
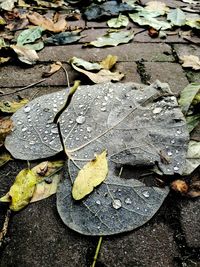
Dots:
pixel 190 220
pixel 171 73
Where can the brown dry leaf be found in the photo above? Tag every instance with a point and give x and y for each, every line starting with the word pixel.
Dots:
pixel 47 23
pixel 26 55
pixel 180 186
pixel 53 69
pixel 102 76
pixel 194 190
pixel 190 61
pixel 6 126
pixel 153 33
pixel 108 62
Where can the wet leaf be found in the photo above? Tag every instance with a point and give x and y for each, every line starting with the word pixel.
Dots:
pixel 85 64
pixel 29 35
pixel 26 55
pixel 187 96
pixel 192 122
pixel 193 23
pixel 193 157
pixel 108 62
pixel 150 21
pixel 53 69
pixel 190 61
pixel 157 6
pixel 11 107
pixel 106 9
pixel 177 17
pixel 113 39
pixel 46 23
pixel 107 116
pixel 6 126
pixel 121 21
pixel 102 76
pixel 64 38
pixel 22 190
pixel 7 5
pixel 4 158
pixel 37 46
pixel 90 176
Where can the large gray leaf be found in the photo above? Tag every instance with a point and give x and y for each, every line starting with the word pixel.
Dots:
pixel 140 126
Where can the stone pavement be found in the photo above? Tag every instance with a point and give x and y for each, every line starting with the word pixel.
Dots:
pixel 37 237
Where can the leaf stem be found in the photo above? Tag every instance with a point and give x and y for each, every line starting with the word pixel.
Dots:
pixel 23 88
pixel 5 227
pixel 97 251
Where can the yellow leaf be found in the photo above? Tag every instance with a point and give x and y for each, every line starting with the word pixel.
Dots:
pixel 22 190
pixel 53 69
pixel 5 198
pixel 91 175
pixel 11 107
pixel 5 157
pixel 108 62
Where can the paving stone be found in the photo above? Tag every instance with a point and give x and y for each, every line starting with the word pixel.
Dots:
pixel 185 49
pixel 190 221
pixel 128 52
pixel 15 76
pixel 151 245
pixel 171 73
pixel 130 71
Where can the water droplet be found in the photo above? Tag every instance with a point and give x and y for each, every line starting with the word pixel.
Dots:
pixel 24 129
pixel 85 137
pixel 103 109
pixel 157 110
pixel 176 168
pixel 116 204
pixel 77 138
pixel 55 109
pixel 81 106
pixel 54 130
pixel 55 105
pixel 27 109
pixel 80 119
pixel 89 129
pixel 32 143
pixel 19 122
pixel 145 194
pixel 98 202
pixel 128 201
pixel 104 104
pixel 137 208
pixel 169 153
pixel 98 227
pixel 178 132
pixel 177 151
pixel 172 141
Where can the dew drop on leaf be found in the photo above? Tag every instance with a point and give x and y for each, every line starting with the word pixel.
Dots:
pixel 116 204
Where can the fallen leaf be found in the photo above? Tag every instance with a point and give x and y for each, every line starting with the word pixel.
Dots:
pixel 157 6
pixel 64 38
pixel 47 168
pixel 26 55
pixel 187 96
pixel 4 158
pixel 113 39
pixel 37 46
pixel 29 35
pixel 180 186
pixel 192 122
pixel 6 126
pixel 102 76
pixel 121 21
pixel 12 107
pixel 106 9
pixel 8 5
pixel 193 23
pixel 177 17
pixel 90 176
pixel 4 60
pixel 193 157
pixel 108 62
pixel 53 69
pixel 190 61
pixel 22 190
pixel 150 21
pixel 46 23
pixel 194 190
pixel 85 64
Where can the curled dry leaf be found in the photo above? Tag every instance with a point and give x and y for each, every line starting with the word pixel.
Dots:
pixel 108 62
pixel 102 76
pixel 190 61
pixel 180 186
pixel 12 107
pixel 26 55
pixel 53 69
pixel 85 64
pixel 46 23
pixel 6 126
